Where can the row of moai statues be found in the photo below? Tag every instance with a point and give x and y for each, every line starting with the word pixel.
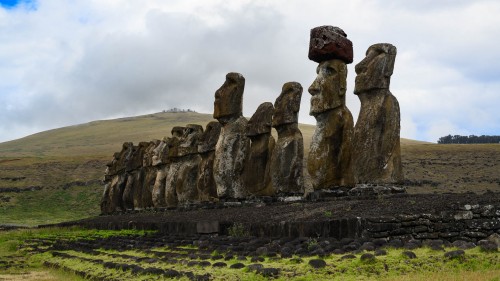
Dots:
pixel 231 159
pixel 236 158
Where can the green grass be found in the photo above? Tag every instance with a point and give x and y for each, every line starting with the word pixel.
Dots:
pixel 429 264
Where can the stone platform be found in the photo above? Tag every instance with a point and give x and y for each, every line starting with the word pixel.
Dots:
pixel 467 216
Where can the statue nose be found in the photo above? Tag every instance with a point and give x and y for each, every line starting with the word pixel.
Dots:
pixel 314 88
pixel 360 67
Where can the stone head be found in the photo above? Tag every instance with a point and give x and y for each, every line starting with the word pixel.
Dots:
pixel 260 122
pixel 210 136
pixel 160 153
pixel 229 97
pixel 287 105
pixel 149 153
pixel 375 70
pixel 177 131
pixel 189 140
pixel 329 88
pixel 174 141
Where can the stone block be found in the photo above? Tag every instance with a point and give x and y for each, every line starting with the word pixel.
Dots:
pixel 207 227
pixel 329 42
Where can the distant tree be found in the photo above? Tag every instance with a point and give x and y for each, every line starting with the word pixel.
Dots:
pixel 457 139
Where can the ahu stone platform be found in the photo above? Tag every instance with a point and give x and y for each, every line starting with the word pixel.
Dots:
pixel 451 217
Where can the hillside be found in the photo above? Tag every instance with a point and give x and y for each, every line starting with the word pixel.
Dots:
pixel 55 175
pixel 102 138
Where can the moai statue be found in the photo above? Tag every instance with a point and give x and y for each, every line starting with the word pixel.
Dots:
pixel 232 147
pixel 257 173
pixel 288 156
pixel 161 162
pixel 115 180
pixel 329 162
pixel 189 162
pixel 376 146
pixel 149 172
pixel 133 190
pixel 174 166
pixel 206 148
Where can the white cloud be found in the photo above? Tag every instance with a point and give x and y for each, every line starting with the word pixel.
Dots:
pixel 67 63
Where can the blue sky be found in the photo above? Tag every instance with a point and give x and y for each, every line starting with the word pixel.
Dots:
pixel 11 4
pixel 71 62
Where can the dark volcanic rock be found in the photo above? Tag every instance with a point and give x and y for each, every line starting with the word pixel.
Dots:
pixel 269 272
pixel 237 265
pixel 409 254
pixel 317 263
pixel 367 258
pixel 457 254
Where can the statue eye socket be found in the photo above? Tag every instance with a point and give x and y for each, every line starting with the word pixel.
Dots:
pixel 330 71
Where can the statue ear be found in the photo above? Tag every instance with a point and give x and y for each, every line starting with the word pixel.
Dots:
pixel 296 101
pixel 389 67
pixel 343 85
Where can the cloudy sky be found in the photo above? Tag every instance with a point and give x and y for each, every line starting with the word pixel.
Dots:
pixel 69 62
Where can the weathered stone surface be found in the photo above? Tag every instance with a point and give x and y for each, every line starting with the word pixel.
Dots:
pixel 160 153
pixel 288 155
pixel 190 139
pixel 173 167
pixel 260 122
pixel 375 70
pixel 133 188
pixel 208 140
pixel 189 163
pixel 145 199
pixel 158 194
pixel 205 184
pixel 233 145
pixel 329 162
pixel 376 145
pixel 288 160
pixel 229 98
pixel 329 88
pixel 160 161
pixel 256 175
pixel 287 105
pixel 186 188
pixel 120 159
pixel 329 42
pixel 231 153
pixel 113 192
pixel 115 179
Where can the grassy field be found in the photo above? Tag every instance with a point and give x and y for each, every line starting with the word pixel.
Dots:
pixel 23 254
pixel 54 175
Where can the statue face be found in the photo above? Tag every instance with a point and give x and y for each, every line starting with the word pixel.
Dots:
pixel 287 105
pixel 328 90
pixel 375 70
pixel 260 122
pixel 229 97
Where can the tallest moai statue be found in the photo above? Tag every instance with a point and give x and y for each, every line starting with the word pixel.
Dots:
pixel 329 162
pixel 376 134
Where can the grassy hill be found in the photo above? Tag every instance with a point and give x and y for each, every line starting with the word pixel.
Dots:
pixel 55 175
